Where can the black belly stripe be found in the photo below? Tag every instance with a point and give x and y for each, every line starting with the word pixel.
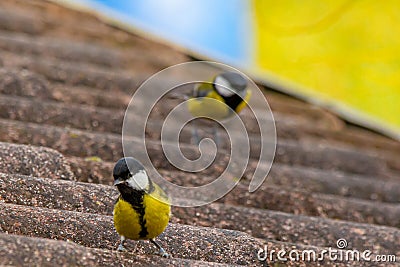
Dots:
pixel 142 221
pixel 233 101
pixel 135 198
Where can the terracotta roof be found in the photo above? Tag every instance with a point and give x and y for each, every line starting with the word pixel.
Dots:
pixel 65 80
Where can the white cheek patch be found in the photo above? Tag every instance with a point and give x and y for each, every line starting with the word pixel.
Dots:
pixel 139 181
pixel 222 86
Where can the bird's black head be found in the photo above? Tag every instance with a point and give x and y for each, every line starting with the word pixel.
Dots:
pixel 128 172
pixel 229 83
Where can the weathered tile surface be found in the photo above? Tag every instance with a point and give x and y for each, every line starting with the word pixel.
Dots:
pixel 66 79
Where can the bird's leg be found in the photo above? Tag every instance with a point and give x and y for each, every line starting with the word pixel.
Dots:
pixel 121 245
pixel 162 251
pixel 195 134
pixel 216 136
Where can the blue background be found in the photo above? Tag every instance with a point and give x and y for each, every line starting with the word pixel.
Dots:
pixel 215 28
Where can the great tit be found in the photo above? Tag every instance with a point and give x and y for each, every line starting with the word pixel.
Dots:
pixel 211 100
pixel 142 210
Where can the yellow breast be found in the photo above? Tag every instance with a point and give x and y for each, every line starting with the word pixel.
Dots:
pixel 126 220
pixel 156 217
pixel 212 106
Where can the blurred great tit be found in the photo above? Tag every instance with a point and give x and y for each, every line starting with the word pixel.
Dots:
pixel 138 211
pixel 211 100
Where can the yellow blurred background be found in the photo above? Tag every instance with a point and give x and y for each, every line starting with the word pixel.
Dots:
pixel 344 54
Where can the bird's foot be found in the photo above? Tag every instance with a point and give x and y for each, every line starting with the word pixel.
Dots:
pixel 195 140
pixel 121 248
pixel 216 136
pixel 162 251
pixel 164 254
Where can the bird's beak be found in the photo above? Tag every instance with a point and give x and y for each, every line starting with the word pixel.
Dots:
pixel 119 181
